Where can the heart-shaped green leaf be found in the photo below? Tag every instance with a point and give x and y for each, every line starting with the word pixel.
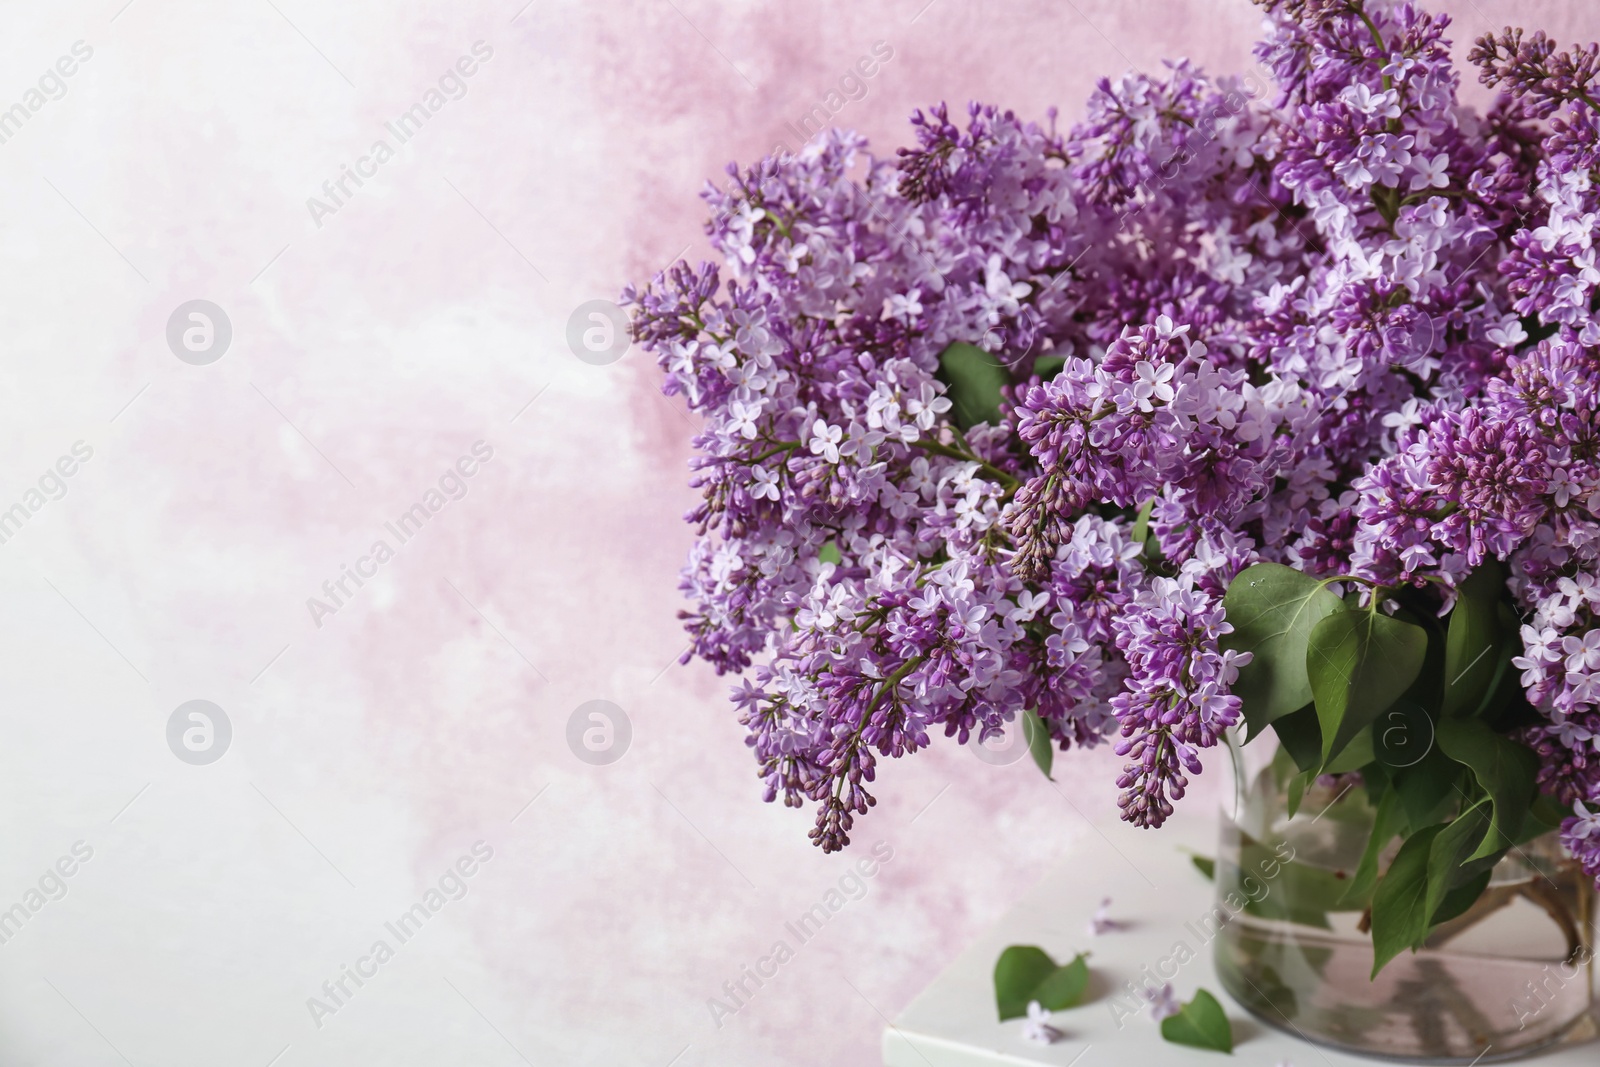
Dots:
pixel 1026 972
pixel 1017 973
pixel 1272 609
pixel 972 379
pixel 1063 987
pixel 1359 663
pixel 1201 1023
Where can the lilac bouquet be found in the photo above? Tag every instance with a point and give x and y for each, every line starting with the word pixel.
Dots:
pixel 1269 400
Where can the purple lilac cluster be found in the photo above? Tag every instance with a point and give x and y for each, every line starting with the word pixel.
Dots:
pixel 1321 315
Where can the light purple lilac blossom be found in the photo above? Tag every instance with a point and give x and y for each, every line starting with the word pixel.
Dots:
pixel 1343 323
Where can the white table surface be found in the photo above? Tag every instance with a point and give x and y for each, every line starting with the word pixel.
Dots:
pixel 1155 891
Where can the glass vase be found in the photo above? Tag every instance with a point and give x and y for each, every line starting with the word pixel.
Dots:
pixel 1511 975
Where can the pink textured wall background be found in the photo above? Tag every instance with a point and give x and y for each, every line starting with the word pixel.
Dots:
pixel 369 354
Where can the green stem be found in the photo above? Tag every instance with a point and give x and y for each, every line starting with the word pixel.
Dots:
pixel 1007 480
pixel 789 446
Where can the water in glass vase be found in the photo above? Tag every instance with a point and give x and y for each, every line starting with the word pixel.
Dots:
pixel 1509 975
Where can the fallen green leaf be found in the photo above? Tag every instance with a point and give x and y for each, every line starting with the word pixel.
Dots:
pixel 1201 1023
pixel 1025 973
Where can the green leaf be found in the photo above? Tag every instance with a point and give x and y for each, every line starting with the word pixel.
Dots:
pixel 1064 986
pixel 1544 816
pixel 1403 734
pixel 1448 858
pixel 1458 900
pixel 1505 682
pixel 1047 367
pixel 1359 663
pixel 829 553
pixel 1017 974
pixel 1272 609
pixel 1427 786
pixel 1200 1023
pixel 1386 822
pixel 1026 972
pixel 1473 639
pixel 1141 525
pixel 1297 790
pixel 1399 905
pixel 1039 744
pixel 1205 865
pixel 1505 770
pixel 1300 735
pixel 1356 755
pixel 1294 892
pixel 972 378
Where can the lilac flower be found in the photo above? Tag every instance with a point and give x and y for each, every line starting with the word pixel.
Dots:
pixel 1102 922
pixel 1343 323
pixel 1163 1001
pixel 1036 1027
pixel 1580 833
